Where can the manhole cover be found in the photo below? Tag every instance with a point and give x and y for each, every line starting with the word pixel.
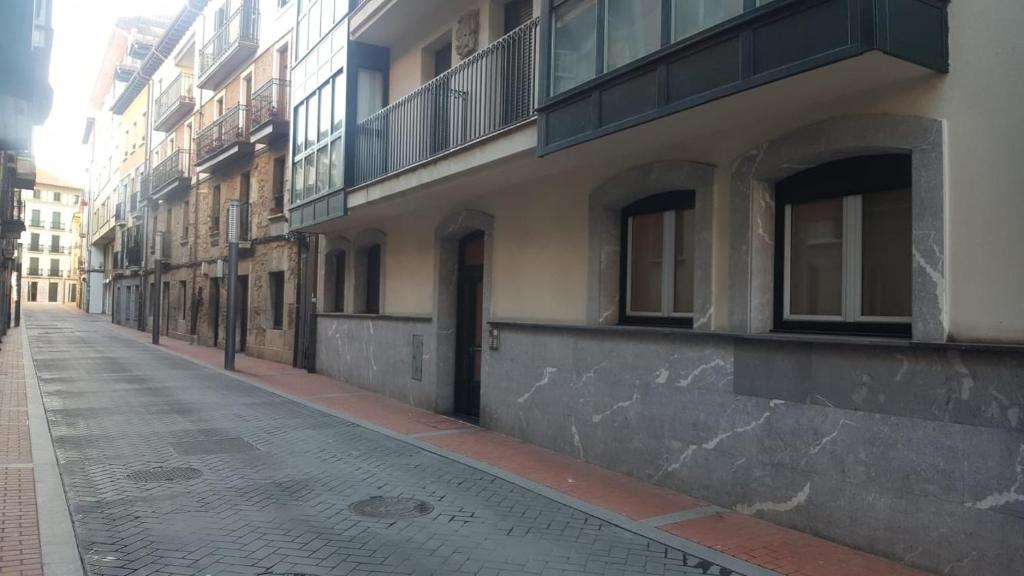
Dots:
pixel 391 507
pixel 164 475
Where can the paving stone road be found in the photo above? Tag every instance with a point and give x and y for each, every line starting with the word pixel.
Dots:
pixel 174 468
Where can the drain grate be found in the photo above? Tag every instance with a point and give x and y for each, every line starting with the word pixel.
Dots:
pixel 180 474
pixel 391 507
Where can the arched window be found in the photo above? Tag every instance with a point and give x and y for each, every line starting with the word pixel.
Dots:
pixel 657 269
pixel 843 260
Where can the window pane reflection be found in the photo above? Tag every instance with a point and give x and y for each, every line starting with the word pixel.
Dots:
pixel 575 44
pixel 683 296
pixel 886 254
pixel 645 243
pixel 816 258
pixel 633 30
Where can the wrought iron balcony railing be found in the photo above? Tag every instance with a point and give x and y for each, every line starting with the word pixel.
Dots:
pixel 270 103
pixel 177 165
pixel 179 95
pixel 242 27
pixel 488 92
pixel 231 128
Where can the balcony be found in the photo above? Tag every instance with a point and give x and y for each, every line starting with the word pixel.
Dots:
pixel 58 250
pixel 224 141
pixel 390 22
pixel 174 104
pixel 13 224
pixel 120 214
pixel 230 46
pixel 34 249
pixel 797 52
pixel 172 176
pixel 37 224
pixel 33 272
pixel 270 112
pixel 489 92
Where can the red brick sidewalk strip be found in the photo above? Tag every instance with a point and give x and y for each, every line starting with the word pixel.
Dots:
pixel 773 547
pixel 20 549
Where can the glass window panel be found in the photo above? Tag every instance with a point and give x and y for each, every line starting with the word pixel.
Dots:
pixel 645 262
pixel 311 120
pixel 310 179
pixel 684 251
pixel 300 120
pixel 886 254
pixel 297 182
pixel 323 168
pixel 314 23
pixel 339 102
pixel 816 258
pixel 692 16
pixel 575 44
pixel 632 30
pixel 337 163
pixel 300 36
pixel 369 93
pixel 325 111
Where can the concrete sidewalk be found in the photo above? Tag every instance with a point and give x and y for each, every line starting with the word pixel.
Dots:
pixel 634 504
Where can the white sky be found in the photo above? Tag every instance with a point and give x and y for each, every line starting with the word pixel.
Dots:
pixel 81 29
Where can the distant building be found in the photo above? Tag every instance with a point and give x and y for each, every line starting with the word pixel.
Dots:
pixel 50 273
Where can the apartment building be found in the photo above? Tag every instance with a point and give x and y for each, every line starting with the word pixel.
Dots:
pixel 49 274
pixel 26 39
pixel 221 124
pixel 763 252
pixel 117 136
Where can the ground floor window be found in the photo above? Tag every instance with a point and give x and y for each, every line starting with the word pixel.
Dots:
pixel 658 254
pixel 844 255
pixel 33 291
pixel 54 294
pixel 339 261
pixel 372 280
pixel 276 282
pixel 72 293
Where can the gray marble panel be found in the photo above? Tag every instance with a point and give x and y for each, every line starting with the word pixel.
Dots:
pixel 975 387
pixel 661 406
pixel 375 353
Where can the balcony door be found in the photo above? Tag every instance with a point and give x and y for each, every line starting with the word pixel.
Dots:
pixel 442 101
pixel 517 66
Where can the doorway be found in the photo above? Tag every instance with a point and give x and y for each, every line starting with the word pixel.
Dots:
pixel 517 73
pixel 443 101
pixel 243 312
pixel 469 326
pixel 165 306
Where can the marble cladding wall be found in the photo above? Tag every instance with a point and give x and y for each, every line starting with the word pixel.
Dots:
pixel 375 353
pixel 917 455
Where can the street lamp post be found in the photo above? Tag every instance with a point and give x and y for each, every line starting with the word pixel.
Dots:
pixel 229 344
pixel 158 264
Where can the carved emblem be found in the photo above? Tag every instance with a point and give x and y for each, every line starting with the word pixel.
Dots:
pixel 467 33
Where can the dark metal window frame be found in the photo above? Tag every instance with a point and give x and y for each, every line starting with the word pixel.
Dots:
pixel 654 204
pixel 837 179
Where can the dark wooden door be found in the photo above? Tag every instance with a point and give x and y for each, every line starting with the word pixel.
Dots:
pixel 469 326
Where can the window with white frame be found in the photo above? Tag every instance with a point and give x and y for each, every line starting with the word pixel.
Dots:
pixel 844 262
pixel 658 260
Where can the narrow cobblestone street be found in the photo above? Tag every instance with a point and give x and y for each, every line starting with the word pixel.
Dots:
pixel 173 468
